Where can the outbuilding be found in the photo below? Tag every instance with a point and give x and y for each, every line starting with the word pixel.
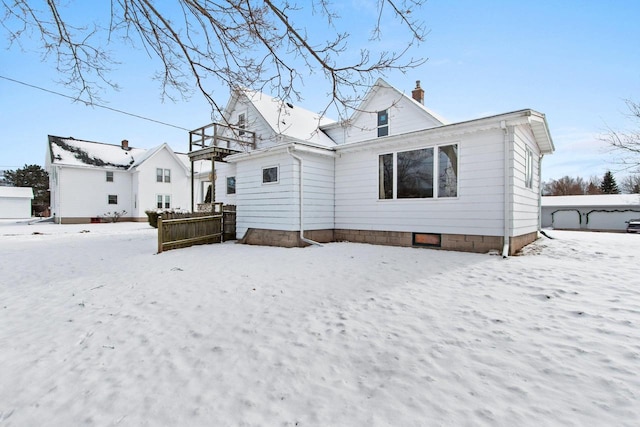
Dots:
pixel 601 212
pixel 15 202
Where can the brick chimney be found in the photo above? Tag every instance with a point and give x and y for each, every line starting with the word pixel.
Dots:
pixel 125 145
pixel 418 93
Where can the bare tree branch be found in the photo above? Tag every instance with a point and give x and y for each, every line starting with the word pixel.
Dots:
pixel 627 143
pixel 203 44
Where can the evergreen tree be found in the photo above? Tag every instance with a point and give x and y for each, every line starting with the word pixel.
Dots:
pixel 35 177
pixel 609 185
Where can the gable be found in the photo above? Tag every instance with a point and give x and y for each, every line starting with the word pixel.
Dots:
pixel 275 121
pixel 404 115
pixel 161 155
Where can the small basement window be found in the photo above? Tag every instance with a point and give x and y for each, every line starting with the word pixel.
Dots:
pixel 427 239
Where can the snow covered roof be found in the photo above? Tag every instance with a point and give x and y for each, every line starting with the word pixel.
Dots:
pixel 76 152
pixel 592 200
pixel 291 120
pixel 16 192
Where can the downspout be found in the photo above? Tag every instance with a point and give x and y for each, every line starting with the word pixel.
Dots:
pixel 301 192
pixel 507 216
pixel 59 198
pixel 540 194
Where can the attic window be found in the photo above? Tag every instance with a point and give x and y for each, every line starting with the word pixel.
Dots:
pixel 109 176
pixel 242 123
pixel 383 123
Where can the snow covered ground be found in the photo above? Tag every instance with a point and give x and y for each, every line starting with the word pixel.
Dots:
pixel 97 329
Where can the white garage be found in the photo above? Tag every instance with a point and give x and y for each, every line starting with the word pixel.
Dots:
pixel 15 202
pixel 602 212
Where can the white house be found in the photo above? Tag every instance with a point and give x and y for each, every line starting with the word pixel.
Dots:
pixel 89 180
pixel 15 202
pixel 601 212
pixel 393 173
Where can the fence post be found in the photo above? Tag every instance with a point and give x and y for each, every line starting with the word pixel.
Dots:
pixel 160 233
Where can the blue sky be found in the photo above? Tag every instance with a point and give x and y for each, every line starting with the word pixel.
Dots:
pixel 575 61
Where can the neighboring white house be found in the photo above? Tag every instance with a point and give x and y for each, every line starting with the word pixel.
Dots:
pixel 15 202
pixel 393 173
pixel 89 180
pixel 601 212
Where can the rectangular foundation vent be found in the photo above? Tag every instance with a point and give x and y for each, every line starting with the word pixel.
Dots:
pixel 427 239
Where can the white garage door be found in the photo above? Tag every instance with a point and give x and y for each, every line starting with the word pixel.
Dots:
pixel 569 219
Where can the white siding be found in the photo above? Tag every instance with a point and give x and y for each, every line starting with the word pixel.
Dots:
pixel 272 206
pixel 148 188
pixel 404 116
pixel 15 207
pixel 224 171
pixel 525 201
pixel 318 191
pixel 265 136
pixel 477 210
pixel 276 206
pixel 84 192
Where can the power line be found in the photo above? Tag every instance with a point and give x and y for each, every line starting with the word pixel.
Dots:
pixel 92 104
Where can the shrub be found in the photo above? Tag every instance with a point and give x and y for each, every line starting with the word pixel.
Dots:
pixel 153 217
pixel 114 216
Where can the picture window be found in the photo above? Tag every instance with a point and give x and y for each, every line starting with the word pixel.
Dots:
pixel 419 174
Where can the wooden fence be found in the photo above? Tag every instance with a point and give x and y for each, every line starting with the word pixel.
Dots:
pixel 197 229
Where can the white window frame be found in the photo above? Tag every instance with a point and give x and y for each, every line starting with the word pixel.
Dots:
pixel 163 175
pixel 528 168
pixel 277 168
pixel 385 126
pixel 163 200
pixel 436 174
pixel 115 198
pixel 109 176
